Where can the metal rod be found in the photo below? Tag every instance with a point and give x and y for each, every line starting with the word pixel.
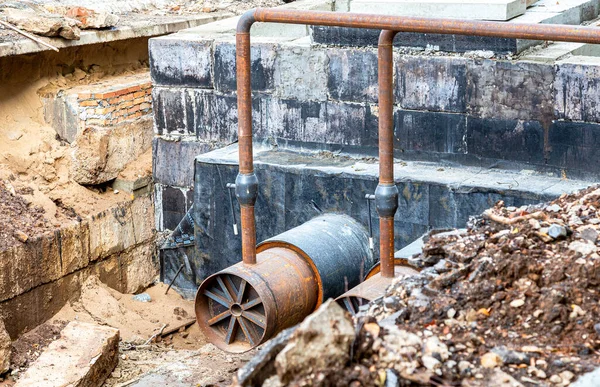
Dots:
pixel 247 192
pixel 175 277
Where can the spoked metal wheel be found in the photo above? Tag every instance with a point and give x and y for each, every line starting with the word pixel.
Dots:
pixel 236 312
pixel 352 303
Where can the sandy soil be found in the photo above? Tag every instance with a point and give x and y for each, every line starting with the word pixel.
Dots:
pixel 35 163
pixel 142 347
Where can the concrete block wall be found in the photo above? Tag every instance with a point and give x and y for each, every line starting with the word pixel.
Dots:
pixel 39 277
pixel 473 111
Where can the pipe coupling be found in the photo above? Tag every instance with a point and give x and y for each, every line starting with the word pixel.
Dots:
pixel 246 189
pixel 386 200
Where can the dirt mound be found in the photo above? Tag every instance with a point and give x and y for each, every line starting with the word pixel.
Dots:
pixel 517 291
pixel 18 220
pixel 511 301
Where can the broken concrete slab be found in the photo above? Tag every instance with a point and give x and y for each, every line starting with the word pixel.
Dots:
pixel 100 153
pixel 45 25
pixel 500 10
pixel 84 355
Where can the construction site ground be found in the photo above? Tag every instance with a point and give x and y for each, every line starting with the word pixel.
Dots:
pixel 158 338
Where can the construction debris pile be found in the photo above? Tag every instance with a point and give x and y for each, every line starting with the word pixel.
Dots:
pixel 513 300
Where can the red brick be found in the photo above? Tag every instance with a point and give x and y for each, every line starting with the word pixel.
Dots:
pixel 139 94
pixel 89 103
pixel 133 89
pixel 96 121
pixel 145 106
pixel 147 85
pixel 138 101
pixel 137 114
pixel 106 95
pixel 133 109
pixel 82 96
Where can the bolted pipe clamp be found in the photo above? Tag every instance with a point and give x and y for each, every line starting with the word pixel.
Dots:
pixel 246 189
pixel 386 200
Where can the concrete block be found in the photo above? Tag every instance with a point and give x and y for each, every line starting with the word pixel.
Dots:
pixel 99 154
pixel 352 75
pixel 139 267
pixel 507 90
pixel 173 160
pixel 431 83
pixel 84 355
pixel 506 139
pixel 421 131
pixel 111 232
pixel 181 61
pixel 577 89
pixel 142 217
pixel 582 9
pixel 169 107
pixel 199 113
pixel 34 307
pixel 301 73
pixel 481 10
pixel 262 56
pixel 413 203
pixel 26 266
pixel 74 247
pixel 574 147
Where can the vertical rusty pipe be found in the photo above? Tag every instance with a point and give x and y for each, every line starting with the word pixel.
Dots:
pixel 246 183
pixel 386 194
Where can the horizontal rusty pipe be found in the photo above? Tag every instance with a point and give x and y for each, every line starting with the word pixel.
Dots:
pixel 246 183
pixel 386 194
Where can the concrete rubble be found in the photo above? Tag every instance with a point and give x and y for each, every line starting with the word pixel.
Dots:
pixel 84 355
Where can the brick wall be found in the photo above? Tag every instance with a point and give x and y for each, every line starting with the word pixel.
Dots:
pixel 115 104
pixel 103 104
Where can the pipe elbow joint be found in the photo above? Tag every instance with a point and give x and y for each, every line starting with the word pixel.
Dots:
pixel 386 200
pixel 246 21
pixel 246 189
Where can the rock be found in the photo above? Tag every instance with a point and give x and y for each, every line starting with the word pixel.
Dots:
pixel 509 356
pixel 14 135
pixel 557 231
pixel 431 363
pixel 321 341
pixel 517 303
pixel 464 366
pixel 42 24
pixel 261 367
pixel 142 297
pixel 566 376
pixel 391 379
pixel 434 347
pixel 597 329
pixel 392 303
pixel 21 236
pixel 92 19
pixel 84 355
pixel 589 234
pixel 491 360
pixel 591 379
pixel 553 208
pixel 451 313
pixel 555 379
pixel 5 349
pixel 584 248
pixel 402 342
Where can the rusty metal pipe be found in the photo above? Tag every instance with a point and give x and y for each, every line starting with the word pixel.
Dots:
pixel 247 184
pixel 386 194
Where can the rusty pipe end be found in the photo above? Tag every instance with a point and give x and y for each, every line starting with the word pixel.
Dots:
pixel 246 21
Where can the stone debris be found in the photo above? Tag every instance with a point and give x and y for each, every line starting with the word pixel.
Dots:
pixel 89 18
pixel 514 304
pixel 85 355
pixel 45 24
